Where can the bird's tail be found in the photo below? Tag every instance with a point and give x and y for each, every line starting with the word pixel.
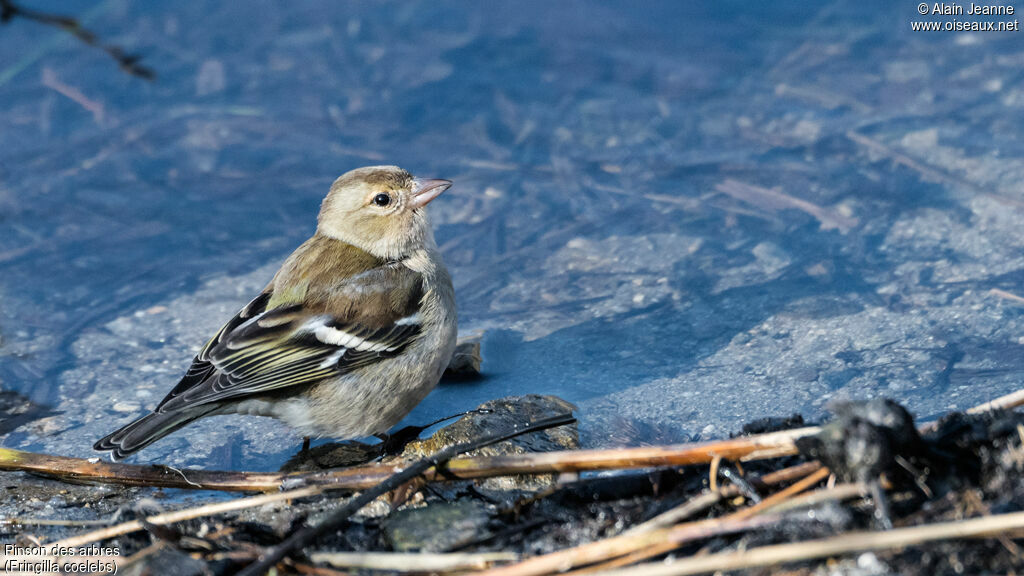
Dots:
pixel 146 430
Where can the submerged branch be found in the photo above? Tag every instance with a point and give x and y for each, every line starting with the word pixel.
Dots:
pixel 126 61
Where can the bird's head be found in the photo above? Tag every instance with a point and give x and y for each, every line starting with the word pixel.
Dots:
pixel 380 209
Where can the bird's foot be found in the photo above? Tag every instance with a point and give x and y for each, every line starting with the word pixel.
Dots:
pixel 395 443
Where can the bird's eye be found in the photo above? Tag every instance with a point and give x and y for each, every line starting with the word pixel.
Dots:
pixel 382 199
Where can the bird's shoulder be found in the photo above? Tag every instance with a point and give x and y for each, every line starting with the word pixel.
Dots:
pixel 328 277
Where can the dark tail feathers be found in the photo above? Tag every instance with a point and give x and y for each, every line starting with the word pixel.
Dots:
pixel 146 430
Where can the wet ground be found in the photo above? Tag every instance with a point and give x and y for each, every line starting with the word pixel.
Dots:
pixel 678 217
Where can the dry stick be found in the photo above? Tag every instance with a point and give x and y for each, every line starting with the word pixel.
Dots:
pixel 1011 400
pixel 51 522
pixel 601 550
pixel 843 491
pixel 309 534
pixel 702 502
pixel 1006 295
pixel 406 562
pixel 1005 402
pixel 784 494
pixel 186 514
pixel 843 544
pixel 713 473
pixel 691 507
pixel 315 570
pixel 96 470
pixel 624 553
pixel 688 532
pixel 758 447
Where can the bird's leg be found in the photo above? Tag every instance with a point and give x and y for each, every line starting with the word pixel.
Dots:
pixel 305 444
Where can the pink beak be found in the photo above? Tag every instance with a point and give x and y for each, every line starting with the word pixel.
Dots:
pixel 424 190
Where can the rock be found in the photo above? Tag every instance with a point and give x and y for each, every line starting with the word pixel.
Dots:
pixel 16 410
pixel 503 414
pixel 437 527
pixel 490 417
pixel 864 440
pixel 170 562
pixel 332 455
pixel 465 362
pixel 211 78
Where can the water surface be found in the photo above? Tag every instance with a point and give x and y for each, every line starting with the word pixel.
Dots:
pixel 679 217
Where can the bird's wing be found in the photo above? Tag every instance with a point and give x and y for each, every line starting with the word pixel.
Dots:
pixel 202 368
pixel 260 352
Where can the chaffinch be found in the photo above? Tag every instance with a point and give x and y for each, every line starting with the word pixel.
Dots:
pixel 353 331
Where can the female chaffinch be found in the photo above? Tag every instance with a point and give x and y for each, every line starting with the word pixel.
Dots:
pixel 353 331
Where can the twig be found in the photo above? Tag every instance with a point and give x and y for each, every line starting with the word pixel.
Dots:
pixel 713 473
pixel 96 470
pixel 843 544
pixel 602 550
pixel 405 562
pixel 1007 402
pixel 843 491
pixel 50 80
pixel 687 509
pixel 309 534
pixel 186 514
pixel 774 199
pixel 742 485
pixel 126 61
pixel 784 494
pixel 926 170
pixel 1006 295
pixel 51 522
pixel 706 500
pixel 758 447
pixel 311 570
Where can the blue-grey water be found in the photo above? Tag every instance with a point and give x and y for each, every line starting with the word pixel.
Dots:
pixel 679 216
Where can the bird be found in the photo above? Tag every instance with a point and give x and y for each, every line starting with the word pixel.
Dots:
pixel 352 332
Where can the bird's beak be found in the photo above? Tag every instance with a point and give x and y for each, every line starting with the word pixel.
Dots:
pixel 424 190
